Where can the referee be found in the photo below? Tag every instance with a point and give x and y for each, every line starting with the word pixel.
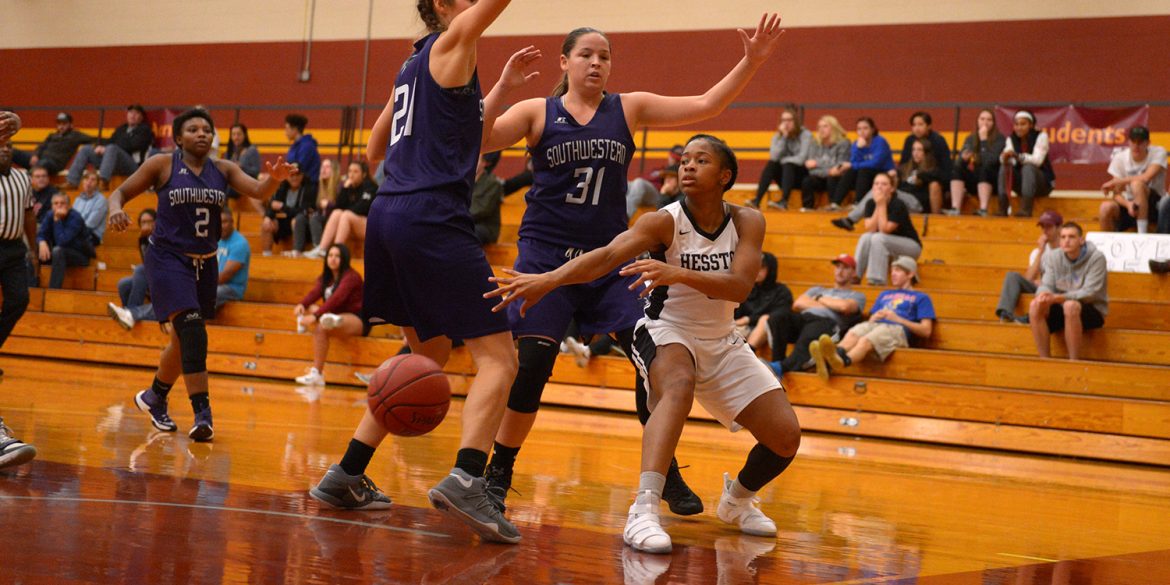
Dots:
pixel 17 222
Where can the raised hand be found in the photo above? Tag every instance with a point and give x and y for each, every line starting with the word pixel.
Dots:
pixel 529 287
pixel 279 171
pixel 515 72
pixel 758 47
pixel 9 125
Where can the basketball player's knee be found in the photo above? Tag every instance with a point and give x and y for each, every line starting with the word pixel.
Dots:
pixel 192 332
pixel 676 386
pixel 537 357
pixel 787 443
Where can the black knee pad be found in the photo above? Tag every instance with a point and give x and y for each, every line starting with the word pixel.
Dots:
pixel 537 358
pixel 192 332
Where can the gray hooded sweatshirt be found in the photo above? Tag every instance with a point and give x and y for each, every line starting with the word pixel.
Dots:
pixel 1082 280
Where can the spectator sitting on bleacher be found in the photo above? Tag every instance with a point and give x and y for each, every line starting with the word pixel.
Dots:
pixel 118 155
pixel 921 176
pixel 898 314
pixel 1026 154
pixel 292 198
pixel 63 240
pixel 670 191
pixel 819 311
pixel 977 169
pixel 42 191
pixel 132 290
pixel 486 197
pixel 339 288
pixel 241 151
pixel 92 206
pixel 1073 293
pixel 1137 186
pixel 888 233
pixel 826 162
pixel 1015 283
pixel 786 157
pixel 857 214
pixel 303 150
pixel 233 256
pixel 869 155
pixel 307 226
pixel 922 128
pixel 349 211
pixel 646 190
pixel 58 147
pixel 767 300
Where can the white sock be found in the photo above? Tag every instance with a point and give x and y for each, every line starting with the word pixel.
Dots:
pixel 739 492
pixel 651 481
pixel 1143 226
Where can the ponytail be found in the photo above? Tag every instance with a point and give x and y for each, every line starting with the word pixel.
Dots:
pixel 430 17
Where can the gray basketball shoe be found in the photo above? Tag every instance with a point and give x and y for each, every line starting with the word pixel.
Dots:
pixel 349 492
pixel 465 498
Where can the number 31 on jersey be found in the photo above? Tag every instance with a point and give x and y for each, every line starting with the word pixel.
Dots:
pixel 580 197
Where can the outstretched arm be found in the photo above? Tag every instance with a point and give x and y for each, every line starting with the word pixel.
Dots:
pixel 453 55
pixel 502 130
pixel 258 191
pixel 648 109
pixel 145 177
pixel 731 286
pixel 651 231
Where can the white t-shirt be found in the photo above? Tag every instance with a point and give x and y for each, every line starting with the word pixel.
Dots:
pixel 1123 166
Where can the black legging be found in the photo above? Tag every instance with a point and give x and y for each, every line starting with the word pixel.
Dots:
pixel 787 176
pixel 860 180
pixel 800 329
pixel 813 184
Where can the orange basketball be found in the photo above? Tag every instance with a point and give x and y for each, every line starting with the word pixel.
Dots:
pixel 409 395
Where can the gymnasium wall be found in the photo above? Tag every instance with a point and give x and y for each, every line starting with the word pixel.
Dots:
pixel 846 51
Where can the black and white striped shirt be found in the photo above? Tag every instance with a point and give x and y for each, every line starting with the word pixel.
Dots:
pixel 15 200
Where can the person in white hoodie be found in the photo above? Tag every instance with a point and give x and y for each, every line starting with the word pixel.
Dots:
pixel 1073 293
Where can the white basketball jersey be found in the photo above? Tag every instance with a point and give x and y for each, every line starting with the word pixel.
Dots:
pixel 680 305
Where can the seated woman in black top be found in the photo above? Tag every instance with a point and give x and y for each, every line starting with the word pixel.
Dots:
pixel 918 173
pixel 888 233
pixel 977 169
pixel 348 216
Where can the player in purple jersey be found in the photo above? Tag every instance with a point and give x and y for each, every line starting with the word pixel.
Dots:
pixel 581 144
pixel 426 270
pixel 180 261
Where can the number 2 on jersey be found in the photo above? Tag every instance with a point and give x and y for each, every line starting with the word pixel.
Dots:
pixel 201 224
pixel 406 110
pixel 579 198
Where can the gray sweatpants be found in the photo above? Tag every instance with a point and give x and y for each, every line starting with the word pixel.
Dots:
pixel 874 251
pixel 1028 181
pixel 1014 284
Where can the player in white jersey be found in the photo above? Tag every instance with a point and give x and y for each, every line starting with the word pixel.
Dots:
pixel 704 256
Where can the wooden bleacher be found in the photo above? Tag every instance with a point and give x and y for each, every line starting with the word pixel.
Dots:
pixel 976 383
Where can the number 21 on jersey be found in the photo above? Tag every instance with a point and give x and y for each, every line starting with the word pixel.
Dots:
pixel 580 197
pixel 403 122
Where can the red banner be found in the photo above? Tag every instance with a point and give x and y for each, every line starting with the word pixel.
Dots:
pixel 160 121
pixel 1080 135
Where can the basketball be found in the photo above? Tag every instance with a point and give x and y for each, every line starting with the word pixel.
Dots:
pixel 409 395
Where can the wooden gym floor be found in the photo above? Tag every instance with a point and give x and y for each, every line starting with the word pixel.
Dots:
pixel 108 500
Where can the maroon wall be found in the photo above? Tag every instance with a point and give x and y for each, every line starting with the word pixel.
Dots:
pixel 1110 59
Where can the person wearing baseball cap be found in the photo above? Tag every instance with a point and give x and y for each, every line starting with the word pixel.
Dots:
pixel 58 147
pixel 1025 161
pixel 898 314
pixel 120 154
pixel 1015 283
pixel 820 311
pixel 1136 186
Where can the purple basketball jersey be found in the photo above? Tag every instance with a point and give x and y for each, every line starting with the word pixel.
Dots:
pixel 189 207
pixel 436 133
pixel 578 196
